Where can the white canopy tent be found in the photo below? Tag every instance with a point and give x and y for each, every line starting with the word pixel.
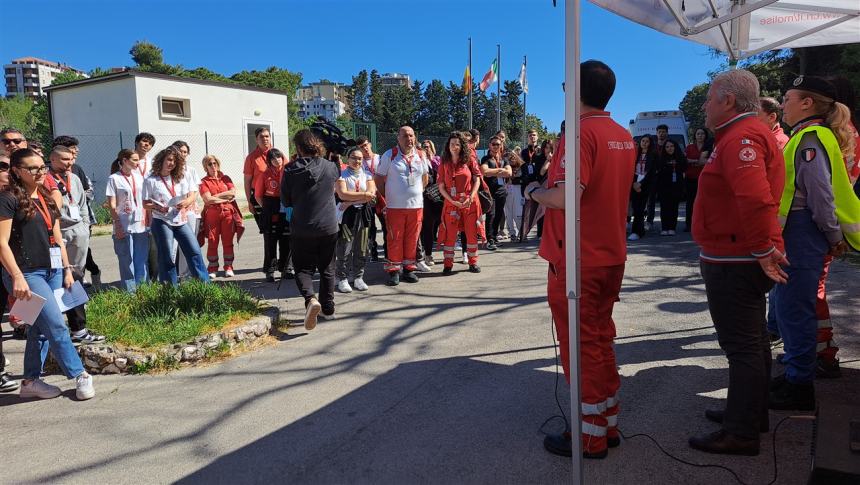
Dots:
pixel 740 28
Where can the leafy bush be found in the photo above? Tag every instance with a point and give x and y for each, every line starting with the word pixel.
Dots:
pixel 159 314
pixel 102 215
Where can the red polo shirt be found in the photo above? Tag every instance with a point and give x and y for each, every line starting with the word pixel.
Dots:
pixel 255 162
pixel 607 155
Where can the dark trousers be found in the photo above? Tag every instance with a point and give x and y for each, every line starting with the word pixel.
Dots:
pixel 312 254
pixel 430 226
pixel 652 203
pixel 639 201
pixel 669 202
pixel 374 228
pixel 736 299
pixel 691 186
pixel 77 317
pixel 496 217
pixel 4 297
pixel 276 253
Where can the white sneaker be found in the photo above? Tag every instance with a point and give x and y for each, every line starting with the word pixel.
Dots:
pixel 465 259
pixel 359 284
pixel 422 267
pixel 457 245
pixel 633 237
pixel 84 387
pixel 6 362
pixel 671 232
pixel 664 233
pixel 428 260
pixel 212 276
pixel 39 389
pixel 229 273
pixel 343 286
pixel 327 317
pixel 311 314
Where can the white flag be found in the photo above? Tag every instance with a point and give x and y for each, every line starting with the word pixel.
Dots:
pixel 523 81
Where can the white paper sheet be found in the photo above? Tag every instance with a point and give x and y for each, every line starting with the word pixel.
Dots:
pixel 28 310
pixel 71 298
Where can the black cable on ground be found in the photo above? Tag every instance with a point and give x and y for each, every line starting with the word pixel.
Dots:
pixel 563 416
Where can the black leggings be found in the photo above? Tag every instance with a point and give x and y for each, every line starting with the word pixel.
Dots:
pixel 430 226
pixel 496 217
pixel 312 254
pixel 4 297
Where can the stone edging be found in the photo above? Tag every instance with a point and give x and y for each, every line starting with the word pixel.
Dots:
pixel 107 359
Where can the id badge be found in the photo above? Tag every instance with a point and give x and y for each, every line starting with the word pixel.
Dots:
pixel 531 169
pixel 74 213
pixel 411 179
pixel 56 258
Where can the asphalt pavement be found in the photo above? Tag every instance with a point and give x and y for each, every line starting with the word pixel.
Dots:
pixel 450 380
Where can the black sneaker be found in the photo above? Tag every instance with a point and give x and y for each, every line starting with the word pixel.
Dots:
pixel 410 277
pixel 287 275
pixel 474 268
pixel 270 277
pixel 19 332
pixel 825 369
pixel 791 396
pixel 447 270
pixel 87 338
pixel 7 384
pixel 393 278
pixel 491 246
pixel 775 339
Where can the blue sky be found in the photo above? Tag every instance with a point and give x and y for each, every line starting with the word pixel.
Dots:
pixel 335 39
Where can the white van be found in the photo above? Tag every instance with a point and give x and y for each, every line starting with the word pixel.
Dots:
pixel 646 124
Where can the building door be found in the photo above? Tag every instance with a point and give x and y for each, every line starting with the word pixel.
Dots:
pixel 250 127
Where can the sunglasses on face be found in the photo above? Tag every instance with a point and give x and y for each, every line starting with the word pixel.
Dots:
pixel 212 164
pixel 495 144
pixel 4 167
pixel 9 141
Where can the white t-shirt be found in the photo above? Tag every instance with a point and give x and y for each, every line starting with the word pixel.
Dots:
pixel 128 191
pixel 193 177
pixel 404 184
pixel 354 183
pixel 166 192
pixel 370 165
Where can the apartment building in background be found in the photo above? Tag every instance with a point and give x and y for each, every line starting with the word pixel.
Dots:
pixel 323 89
pixel 329 109
pixel 30 75
pixel 395 79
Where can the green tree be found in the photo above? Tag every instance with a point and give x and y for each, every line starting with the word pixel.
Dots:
pixel 146 54
pixel 692 103
pixel 376 103
pixel 66 77
pixel 436 119
pixel 30 116
pixel 512 111
pixel 281 80
pixel 358 99
pixel 458 106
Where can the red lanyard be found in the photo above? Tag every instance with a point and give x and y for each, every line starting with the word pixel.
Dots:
pixel 67 181
pixel 143 168
pixel 42 207
pixel 172 188
pixel 133 185
pixel 408 162
pixel 357 185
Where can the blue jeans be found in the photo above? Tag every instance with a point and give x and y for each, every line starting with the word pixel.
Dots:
pixel 132 252
pixel 49 330
pixel 794 302
pixel 164 234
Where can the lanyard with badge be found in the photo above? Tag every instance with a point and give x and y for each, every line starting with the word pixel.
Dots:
pixel 56 255
pixel 411 177
pixel 74 210
pixel 132 203
pixel 171 188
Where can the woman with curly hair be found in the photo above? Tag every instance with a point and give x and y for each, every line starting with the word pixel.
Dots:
pixel 459 182
pixel 34 258
pixel 169 194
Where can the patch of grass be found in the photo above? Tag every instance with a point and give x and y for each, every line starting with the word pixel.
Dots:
pixel 162 363
pixel 159 314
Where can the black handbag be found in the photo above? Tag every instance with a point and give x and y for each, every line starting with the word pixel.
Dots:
pixel 486 199
pixel 431 193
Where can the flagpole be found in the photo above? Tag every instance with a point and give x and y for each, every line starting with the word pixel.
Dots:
pixel 470 83
pixel 525 112
pixel 498 87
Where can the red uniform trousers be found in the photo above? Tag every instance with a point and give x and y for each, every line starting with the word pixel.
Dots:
pixel 826 347
pixel 401 245
pixel 598 375
pixel 455 220
pixel 219 223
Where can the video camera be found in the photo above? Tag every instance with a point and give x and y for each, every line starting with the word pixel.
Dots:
pixel 332 136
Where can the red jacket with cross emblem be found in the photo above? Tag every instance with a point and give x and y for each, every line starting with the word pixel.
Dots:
pixel 739 190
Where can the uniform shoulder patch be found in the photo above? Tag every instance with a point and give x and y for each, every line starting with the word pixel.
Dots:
pixel 808 154
pixel 747 154
pixel 746 141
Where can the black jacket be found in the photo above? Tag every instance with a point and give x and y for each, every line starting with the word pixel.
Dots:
pixel 308 187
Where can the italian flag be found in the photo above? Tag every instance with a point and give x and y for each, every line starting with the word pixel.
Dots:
pixel 491 76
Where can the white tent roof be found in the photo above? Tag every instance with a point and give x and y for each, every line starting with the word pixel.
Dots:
pixel 743 28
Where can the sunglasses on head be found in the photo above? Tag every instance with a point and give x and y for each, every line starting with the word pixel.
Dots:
pixel 9 141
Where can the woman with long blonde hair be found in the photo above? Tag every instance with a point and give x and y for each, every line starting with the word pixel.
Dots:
pixel 817 209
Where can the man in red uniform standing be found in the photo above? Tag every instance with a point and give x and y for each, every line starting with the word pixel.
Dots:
pixel 607 155
pixel 741 254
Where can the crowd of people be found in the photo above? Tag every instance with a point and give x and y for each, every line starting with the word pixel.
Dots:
pixel 760 198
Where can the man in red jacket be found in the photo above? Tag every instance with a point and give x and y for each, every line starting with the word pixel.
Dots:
pixel 741 254
pixel 607 155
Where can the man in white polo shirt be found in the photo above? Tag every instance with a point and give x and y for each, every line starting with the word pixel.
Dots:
pixel 401 177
